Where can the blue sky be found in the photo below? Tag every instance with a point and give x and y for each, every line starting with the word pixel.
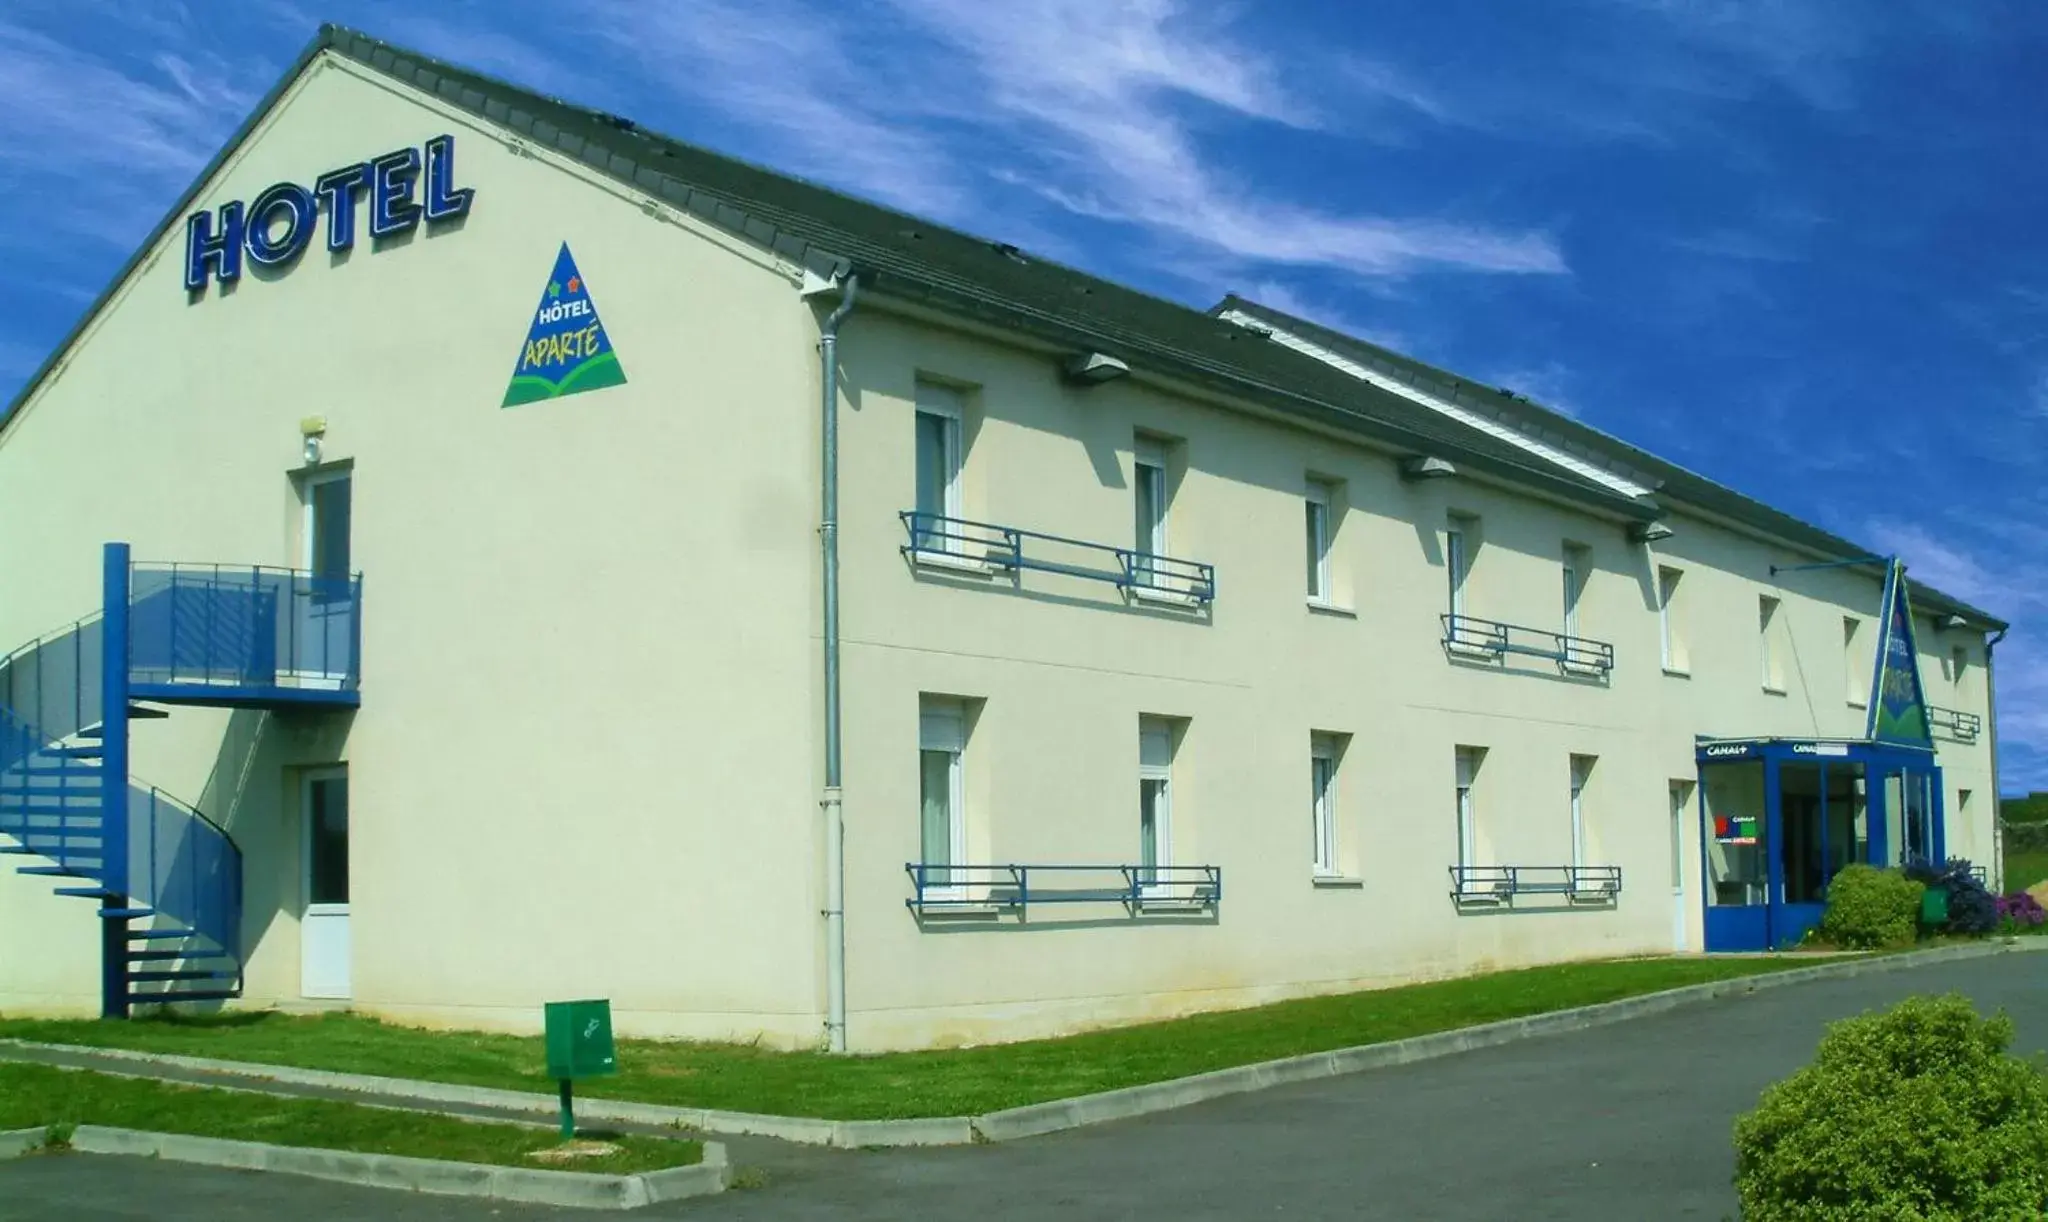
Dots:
pixel 1790 245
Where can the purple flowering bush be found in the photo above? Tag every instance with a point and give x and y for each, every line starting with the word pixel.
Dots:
pixel 2020 913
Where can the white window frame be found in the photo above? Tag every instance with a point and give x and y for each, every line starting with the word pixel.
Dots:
pixel 1855 674
pixel 1316 507
pixel 1456 565
pixel 942 727
pixel 1322 767
pixel 1574 585
pixel 1667 620
pixel 944 404
pixel 309 518
pixel 1149 482
pixel 1468 761
pixel 1768 609
pixel 1155 764
pixel 1581 773
pixel 1680 799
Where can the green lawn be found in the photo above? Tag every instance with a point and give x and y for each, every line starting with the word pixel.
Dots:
pixel 2023 870
pixel 954 1082
pixel 32 1096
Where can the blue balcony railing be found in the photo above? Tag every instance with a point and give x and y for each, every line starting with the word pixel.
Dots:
pixel 1500 884
pixel 184 866
pixel 1961 726
pixel 942 888
pixel 956 540
pixel 246 627
pixel 1576 654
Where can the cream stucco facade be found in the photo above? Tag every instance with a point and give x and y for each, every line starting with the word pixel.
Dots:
pixel 586 760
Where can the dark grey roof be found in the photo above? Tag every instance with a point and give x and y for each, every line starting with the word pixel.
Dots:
pixel 1672 482
pixel 907 258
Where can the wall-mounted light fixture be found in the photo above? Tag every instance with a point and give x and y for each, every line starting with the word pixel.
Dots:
pixel 1954 621
pixel 1093 368
pixel 311 430
pixel 1649 532
pixel 1426 466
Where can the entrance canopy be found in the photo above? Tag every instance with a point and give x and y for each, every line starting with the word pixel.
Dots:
pixel 1781 816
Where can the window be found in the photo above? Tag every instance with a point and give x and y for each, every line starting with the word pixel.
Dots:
pixel 1456 565
pixel 939 413
pixel 1767 643
pixel 1854 666
pixel 1670 630
pixel 942 820
pixel 324 533
pixel 1469 760
pixel 1681 801
pixel 1316 505
pixel 1148 484
pixel 1322 779
pixel 1577 563
pixel 1582 772
pixel 1155 800
pixel 327 839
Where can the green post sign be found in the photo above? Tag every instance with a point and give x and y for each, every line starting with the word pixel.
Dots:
pixel 579 1045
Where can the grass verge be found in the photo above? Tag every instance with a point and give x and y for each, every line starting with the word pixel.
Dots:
pixel 951 1082
pixel 32 1096
pixel 2023 870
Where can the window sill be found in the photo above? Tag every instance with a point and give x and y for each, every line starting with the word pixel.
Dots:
pixel 1341 881
pixel 949 560
pixel 1472 649
pixel 1323 607
pixel 1859 704
pixel 1773 691
pixel 1678 672
pixel 1165 598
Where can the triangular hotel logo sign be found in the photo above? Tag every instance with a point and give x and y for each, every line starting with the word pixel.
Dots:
pixel 1898 705
pixel 567 350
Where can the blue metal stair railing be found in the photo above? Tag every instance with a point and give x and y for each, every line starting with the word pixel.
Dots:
pixel 178 632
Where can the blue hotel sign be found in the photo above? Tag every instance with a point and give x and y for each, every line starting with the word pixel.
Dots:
pixel 400 189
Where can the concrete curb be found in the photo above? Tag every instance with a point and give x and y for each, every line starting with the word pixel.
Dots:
pixel 572 1189
pixel 16 1142
pixel 1037 1118
pixel 1033 1119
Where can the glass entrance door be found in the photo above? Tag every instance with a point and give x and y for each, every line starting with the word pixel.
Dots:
pixel 1737 867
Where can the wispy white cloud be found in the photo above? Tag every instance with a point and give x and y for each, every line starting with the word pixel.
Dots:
pixel 1099 109
pixel 75 125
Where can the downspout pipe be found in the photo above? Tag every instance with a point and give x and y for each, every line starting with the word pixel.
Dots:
pixel 828 538
pixel 1997 795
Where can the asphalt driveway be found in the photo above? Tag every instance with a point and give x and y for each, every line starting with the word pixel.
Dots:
pixel 1629 1121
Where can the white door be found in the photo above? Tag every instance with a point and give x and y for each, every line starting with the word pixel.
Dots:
pixel 1681 806
pixel 323 929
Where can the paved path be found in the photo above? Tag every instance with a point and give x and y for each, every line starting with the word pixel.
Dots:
pixel 1623 1122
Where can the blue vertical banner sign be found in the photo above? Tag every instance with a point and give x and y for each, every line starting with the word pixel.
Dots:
pixel 1898 705
pixel 567 350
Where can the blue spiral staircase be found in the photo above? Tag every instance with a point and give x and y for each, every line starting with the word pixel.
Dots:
pixel 167 880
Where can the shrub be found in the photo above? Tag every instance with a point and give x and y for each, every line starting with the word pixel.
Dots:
pixel 1914 1113
pixel 1972 909
pixel 1870 908
pixel 2020 913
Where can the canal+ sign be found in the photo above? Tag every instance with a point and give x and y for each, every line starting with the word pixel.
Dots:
pixel 398 190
